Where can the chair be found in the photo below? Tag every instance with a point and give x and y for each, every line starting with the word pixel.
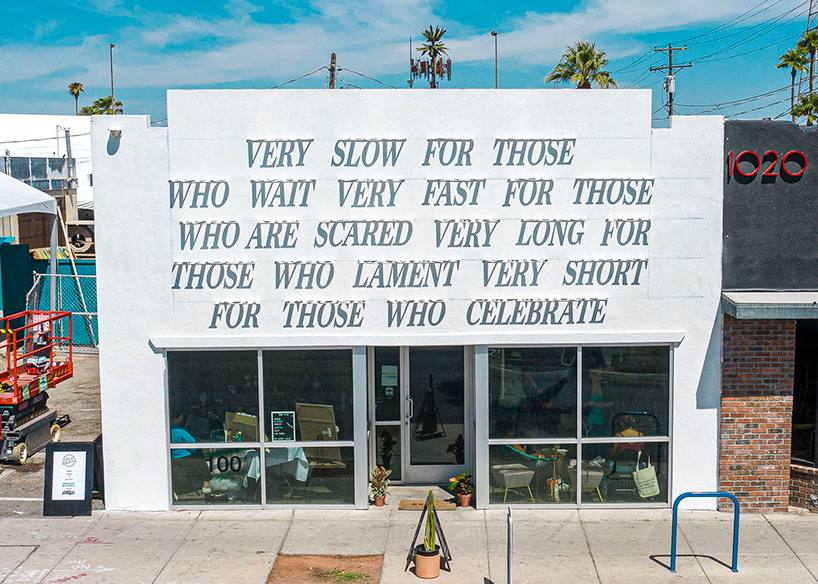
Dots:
pixel 512 476
pixel 591 478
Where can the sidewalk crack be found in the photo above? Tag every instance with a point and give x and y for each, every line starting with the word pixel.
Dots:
pixel 178 545
pixel 789 546
pixel 698 560
pixel 588 545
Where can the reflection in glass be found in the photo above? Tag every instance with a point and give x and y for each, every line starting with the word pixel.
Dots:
pixel 608 477
pixel 312 387
pixel 208 390
pixel 532 392
pixel 387 380
pixel 388 450
pixel 215 476
pixel 305 475
pixel 436 384
pixel 530 473
pixel 621 381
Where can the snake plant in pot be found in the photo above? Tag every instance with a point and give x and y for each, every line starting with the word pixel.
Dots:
pixel 427 556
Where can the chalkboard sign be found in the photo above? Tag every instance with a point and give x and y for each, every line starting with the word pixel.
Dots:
pixel 69 476
pixel 283 426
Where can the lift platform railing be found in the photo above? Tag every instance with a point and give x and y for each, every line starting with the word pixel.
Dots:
pixel 33 345
pixel 712 494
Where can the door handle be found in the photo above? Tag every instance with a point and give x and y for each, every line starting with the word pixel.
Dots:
pixel 411 408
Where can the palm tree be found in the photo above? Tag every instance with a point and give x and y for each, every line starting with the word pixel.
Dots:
pixel 101 106
pixel 582 64
pixel 795 61
pixel 809 44
pixel 807 106
pixel 75 89
pixel 433 48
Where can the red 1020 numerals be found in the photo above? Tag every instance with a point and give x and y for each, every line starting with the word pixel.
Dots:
pixel 778 163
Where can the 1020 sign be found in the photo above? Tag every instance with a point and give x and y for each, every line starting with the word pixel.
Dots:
pixel 748 163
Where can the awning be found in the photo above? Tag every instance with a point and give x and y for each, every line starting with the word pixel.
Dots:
pixel 771 304
pixel 17 197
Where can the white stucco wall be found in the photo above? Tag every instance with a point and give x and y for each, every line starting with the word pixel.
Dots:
pixel 139 240
pixel 44 136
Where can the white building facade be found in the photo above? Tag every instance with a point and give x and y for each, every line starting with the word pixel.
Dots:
pixel 520 284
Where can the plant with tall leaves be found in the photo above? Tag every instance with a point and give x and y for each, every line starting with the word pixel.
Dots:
pixel 434 49
pixel 807 107
pixel 101 106
pixel 75 89
pixel 583 64
pixel 794 60
pixel 809 44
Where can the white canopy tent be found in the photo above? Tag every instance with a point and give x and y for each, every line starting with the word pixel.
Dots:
pixel 17 197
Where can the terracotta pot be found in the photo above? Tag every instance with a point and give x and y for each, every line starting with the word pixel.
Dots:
pixel 379 501
pixel 464 499
pixel 427 564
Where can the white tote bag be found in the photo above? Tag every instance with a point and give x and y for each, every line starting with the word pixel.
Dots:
pixel 647 485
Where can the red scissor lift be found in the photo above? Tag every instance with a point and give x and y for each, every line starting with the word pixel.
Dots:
pixel 32 350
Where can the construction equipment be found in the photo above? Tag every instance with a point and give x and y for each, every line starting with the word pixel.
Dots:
pixel 32 346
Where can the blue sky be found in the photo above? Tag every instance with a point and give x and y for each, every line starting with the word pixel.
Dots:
pixel 733 45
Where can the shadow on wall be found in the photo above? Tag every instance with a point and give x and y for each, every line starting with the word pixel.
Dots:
pixel 708 394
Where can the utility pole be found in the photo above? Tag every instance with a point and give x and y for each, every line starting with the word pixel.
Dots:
pixel 113 101
pixel 670 80
pixel 494 34
pixel 332 71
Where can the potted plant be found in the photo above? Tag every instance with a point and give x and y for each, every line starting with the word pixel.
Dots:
pixel 427 556
pixel 464 487
pixel 379 485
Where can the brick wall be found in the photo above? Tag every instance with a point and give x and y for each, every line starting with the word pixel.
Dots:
pixel 803 483
pixel 758 359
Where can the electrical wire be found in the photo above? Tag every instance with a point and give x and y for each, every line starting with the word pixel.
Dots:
pixel 740 30
pixel 751 51
pixel 736 101
pixel 755 35
pixel 366 77
pixel 757 108
pixel 42 139
pixel 301 77
pixel 723 26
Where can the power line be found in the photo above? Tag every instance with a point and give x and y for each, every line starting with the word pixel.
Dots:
pixel 367 77
pixel 755 35
pixel 299 78
pixel 724 26
pixel 736 101
pixel 732 34
pixel 759 108
pixel 42 139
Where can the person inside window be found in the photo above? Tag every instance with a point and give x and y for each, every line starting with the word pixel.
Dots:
pixel 625 454
pixel 189 468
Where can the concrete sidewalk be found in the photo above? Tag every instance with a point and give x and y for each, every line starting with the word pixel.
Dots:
pixel 212 546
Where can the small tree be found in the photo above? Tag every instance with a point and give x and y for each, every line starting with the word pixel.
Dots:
pixel 101 106
pixel 583 64
pixel 807 107
pixel 434 49
pixel 75 89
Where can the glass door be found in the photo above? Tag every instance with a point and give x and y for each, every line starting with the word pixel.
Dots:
pixel 434 414
pixel 419 401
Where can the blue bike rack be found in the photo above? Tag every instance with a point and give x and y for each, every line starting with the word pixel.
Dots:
pixel 715 494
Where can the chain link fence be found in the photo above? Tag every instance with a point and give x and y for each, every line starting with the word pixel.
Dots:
pixel 76 294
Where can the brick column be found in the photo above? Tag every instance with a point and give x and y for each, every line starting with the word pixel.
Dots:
pixel 758 358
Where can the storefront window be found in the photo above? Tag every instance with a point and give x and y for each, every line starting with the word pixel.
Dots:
pixel 623 398
pixel 622 381
pixel 311 391
pixel 608 472
pixel 530 473
pixel 532 392
pixel 207 476
pixel 805 398
pixel 213 396
pixel 297 475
